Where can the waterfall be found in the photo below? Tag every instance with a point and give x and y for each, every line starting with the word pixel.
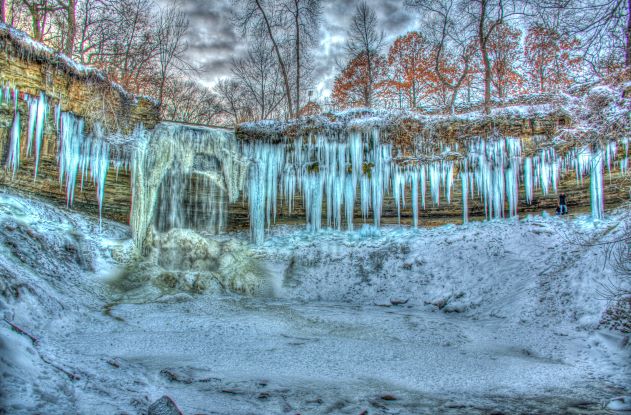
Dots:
pixel 175 161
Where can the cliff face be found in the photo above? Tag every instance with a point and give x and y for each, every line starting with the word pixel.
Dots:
pixel 32 68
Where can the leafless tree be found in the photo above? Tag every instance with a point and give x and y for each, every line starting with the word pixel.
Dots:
pixel 263 19
pixel 232 99
pixel 604 27
pixel 363 38
pixel 39 11
pixel 172 47
pixel 189 102
pixel 260 79
pixel 303 20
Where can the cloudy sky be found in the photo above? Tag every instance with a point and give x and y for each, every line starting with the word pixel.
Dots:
pixel 214 42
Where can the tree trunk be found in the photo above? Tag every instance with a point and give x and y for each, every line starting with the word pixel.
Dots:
pixel 370 81
pixel 71 29
pixel 297 23
pixel 627 60
pixel 3 11
pixel 485 58
pixel 413 94
pixel 36 21
pixel 281 63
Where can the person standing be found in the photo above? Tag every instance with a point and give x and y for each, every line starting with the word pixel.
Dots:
pixel 562 206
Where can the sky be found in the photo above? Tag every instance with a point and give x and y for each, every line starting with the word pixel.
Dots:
pixel 213 41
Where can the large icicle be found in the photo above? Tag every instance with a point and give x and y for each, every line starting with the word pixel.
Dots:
pixel 596 186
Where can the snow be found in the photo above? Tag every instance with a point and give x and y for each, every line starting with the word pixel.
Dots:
pixel 37 50
pixel 499 315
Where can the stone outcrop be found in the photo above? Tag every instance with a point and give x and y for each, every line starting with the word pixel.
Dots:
pixel 33 68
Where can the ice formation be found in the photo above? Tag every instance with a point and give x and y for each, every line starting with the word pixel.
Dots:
pixel 336 172
pixel 185 177
pixel 171 161
pixel 88 154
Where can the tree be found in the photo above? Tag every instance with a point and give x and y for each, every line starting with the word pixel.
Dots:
pixel 231 98
pixel 39 11
pixel 410 60
pixel 454 39
pixel 304 15
pixel 172 26
pixel 187 101
pixel 262 20
pixel 364 42
pixel 355 85
pixel 260 79
pixel 489 18
pixel 69 7
pixel 604 27
pixel 551 59
pixel 504 49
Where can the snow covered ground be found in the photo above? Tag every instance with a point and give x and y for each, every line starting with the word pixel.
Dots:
pixel 490 316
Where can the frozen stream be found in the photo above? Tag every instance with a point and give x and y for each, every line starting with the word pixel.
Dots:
pixel 500 315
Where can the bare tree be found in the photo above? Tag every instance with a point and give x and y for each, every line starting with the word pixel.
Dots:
pixel 69 8
pixel 189 102
pixel 304 19
pixel 261 81
pixel 364 39
pixel 604 27
pixel 231 96
pixel 490 15
pixel 262 19
pixel 172 26
pixel 39 11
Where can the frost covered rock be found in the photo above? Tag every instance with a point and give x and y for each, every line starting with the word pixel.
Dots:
pixel 164 406
pixel 622 403
pixel 182 249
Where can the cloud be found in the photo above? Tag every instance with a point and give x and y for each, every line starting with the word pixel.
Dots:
pixel 214 42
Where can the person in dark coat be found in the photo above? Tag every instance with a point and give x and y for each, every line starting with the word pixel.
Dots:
pixel 562 208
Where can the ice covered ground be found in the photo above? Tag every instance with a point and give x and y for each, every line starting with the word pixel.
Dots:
pixel 491 316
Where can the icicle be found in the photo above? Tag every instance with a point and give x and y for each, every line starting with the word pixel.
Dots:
pixel 434 182
pixel 13 160
pixel 464 182
pixel 42 114
pixel 596 186
pixel 528 190
pixel 414 174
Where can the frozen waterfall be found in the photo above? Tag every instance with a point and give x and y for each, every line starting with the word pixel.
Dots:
pixel 186 177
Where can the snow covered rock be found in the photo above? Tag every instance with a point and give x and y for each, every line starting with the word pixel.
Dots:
pixel 621 403
pixel 164 406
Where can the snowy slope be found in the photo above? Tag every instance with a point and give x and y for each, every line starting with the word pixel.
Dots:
pixel 498 315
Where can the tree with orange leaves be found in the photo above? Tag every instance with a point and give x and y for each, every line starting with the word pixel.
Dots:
pixel 411 63
pixel 552 59
pixel 354 86
pixel 504 49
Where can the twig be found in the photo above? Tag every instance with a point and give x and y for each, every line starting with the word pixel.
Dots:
pixel 21 331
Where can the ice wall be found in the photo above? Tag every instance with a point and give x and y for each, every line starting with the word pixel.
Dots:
pixel 185 176
pixel 338 174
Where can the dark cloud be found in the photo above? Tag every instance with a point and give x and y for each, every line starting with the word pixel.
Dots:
pixel 214 42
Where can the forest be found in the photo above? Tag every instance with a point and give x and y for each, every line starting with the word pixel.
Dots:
pixel 463 55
